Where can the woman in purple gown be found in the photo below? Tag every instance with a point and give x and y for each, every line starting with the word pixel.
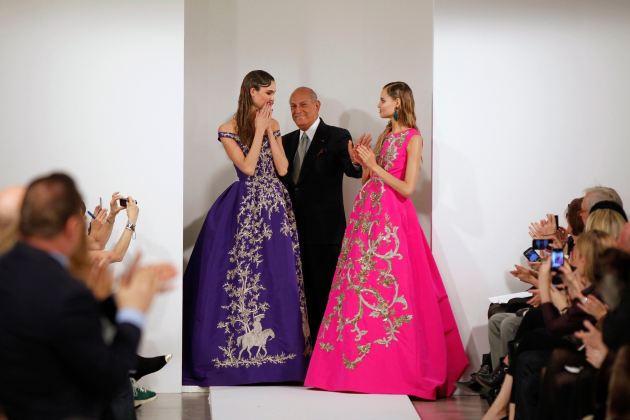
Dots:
pixel 244 309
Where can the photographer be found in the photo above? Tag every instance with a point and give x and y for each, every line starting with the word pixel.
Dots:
pixel 117 253
pixel 100 228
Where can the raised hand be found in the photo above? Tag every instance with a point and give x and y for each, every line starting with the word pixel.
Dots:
pixel 263 118
pixel 114 205
pixel 132 210
pixel 543 229
pixel 97 227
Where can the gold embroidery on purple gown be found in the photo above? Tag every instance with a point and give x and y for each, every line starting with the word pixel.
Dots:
pixel 245 334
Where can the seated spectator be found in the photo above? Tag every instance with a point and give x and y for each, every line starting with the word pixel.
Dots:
pixel 560 317
pixel 49 319
pixel 609 219
pixel 594 195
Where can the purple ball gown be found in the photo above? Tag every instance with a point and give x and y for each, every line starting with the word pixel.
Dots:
pixel 244 308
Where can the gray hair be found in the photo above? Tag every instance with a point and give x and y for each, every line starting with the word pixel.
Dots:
pixel 595 195
pixel 310 91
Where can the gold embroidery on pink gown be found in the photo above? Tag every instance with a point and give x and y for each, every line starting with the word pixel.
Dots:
pixel 388 326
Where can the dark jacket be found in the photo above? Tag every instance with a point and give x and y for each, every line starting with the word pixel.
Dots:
pixel 318 196
pixel 53 360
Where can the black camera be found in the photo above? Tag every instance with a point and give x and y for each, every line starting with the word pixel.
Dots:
pixel 123 202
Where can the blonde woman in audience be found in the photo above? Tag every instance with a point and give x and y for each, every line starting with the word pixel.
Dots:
pixel 608 220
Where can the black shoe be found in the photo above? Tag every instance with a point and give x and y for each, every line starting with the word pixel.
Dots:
pixel 493 379
pixel 471 384
pixel 147 365
pixel 483 370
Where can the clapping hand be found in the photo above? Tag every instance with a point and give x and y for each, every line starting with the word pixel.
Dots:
pixel 366 157
pixel 140 284
pixel 99 279
pixel 535 299
pixel 364 140
pixel 544 229
pixel 593 306
pixel 525 275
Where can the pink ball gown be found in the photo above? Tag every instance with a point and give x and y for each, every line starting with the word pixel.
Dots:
pixel 388 326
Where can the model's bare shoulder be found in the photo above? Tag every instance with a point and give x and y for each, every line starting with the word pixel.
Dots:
pixel 228 127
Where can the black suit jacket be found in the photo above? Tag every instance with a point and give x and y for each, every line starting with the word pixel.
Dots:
pixel 318 196
pixel 53 360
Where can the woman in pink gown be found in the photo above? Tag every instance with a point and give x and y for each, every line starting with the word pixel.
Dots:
pixel 388 326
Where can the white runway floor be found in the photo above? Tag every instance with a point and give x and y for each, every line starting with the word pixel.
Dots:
pixel 298 403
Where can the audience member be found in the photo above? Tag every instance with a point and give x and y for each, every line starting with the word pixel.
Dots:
pixel 49 319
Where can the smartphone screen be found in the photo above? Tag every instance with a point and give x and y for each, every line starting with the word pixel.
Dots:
pixel 531 255
pixel 557 258
pixel 541 243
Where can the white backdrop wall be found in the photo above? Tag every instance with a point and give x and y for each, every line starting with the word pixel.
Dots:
pixel 345 50
pixel 96 89
pixel 530 107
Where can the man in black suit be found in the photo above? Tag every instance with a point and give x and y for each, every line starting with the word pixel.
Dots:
pixel 54 362
pixel 319 155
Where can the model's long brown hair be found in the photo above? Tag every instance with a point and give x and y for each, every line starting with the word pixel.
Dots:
pixel 245 114
pixel 406 112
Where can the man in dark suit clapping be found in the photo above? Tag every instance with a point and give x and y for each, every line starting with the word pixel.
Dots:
pixel 54 362
pixel 319 155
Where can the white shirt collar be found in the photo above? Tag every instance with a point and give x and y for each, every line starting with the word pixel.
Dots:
pixel 310 132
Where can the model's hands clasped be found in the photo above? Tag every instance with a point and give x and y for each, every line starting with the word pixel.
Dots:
pixel 263 120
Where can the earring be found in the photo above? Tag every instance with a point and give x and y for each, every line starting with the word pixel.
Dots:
pixel 395 115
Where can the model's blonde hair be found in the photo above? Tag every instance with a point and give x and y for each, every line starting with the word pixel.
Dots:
pixel 591 244
pixel 406 112
pixel 607 220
